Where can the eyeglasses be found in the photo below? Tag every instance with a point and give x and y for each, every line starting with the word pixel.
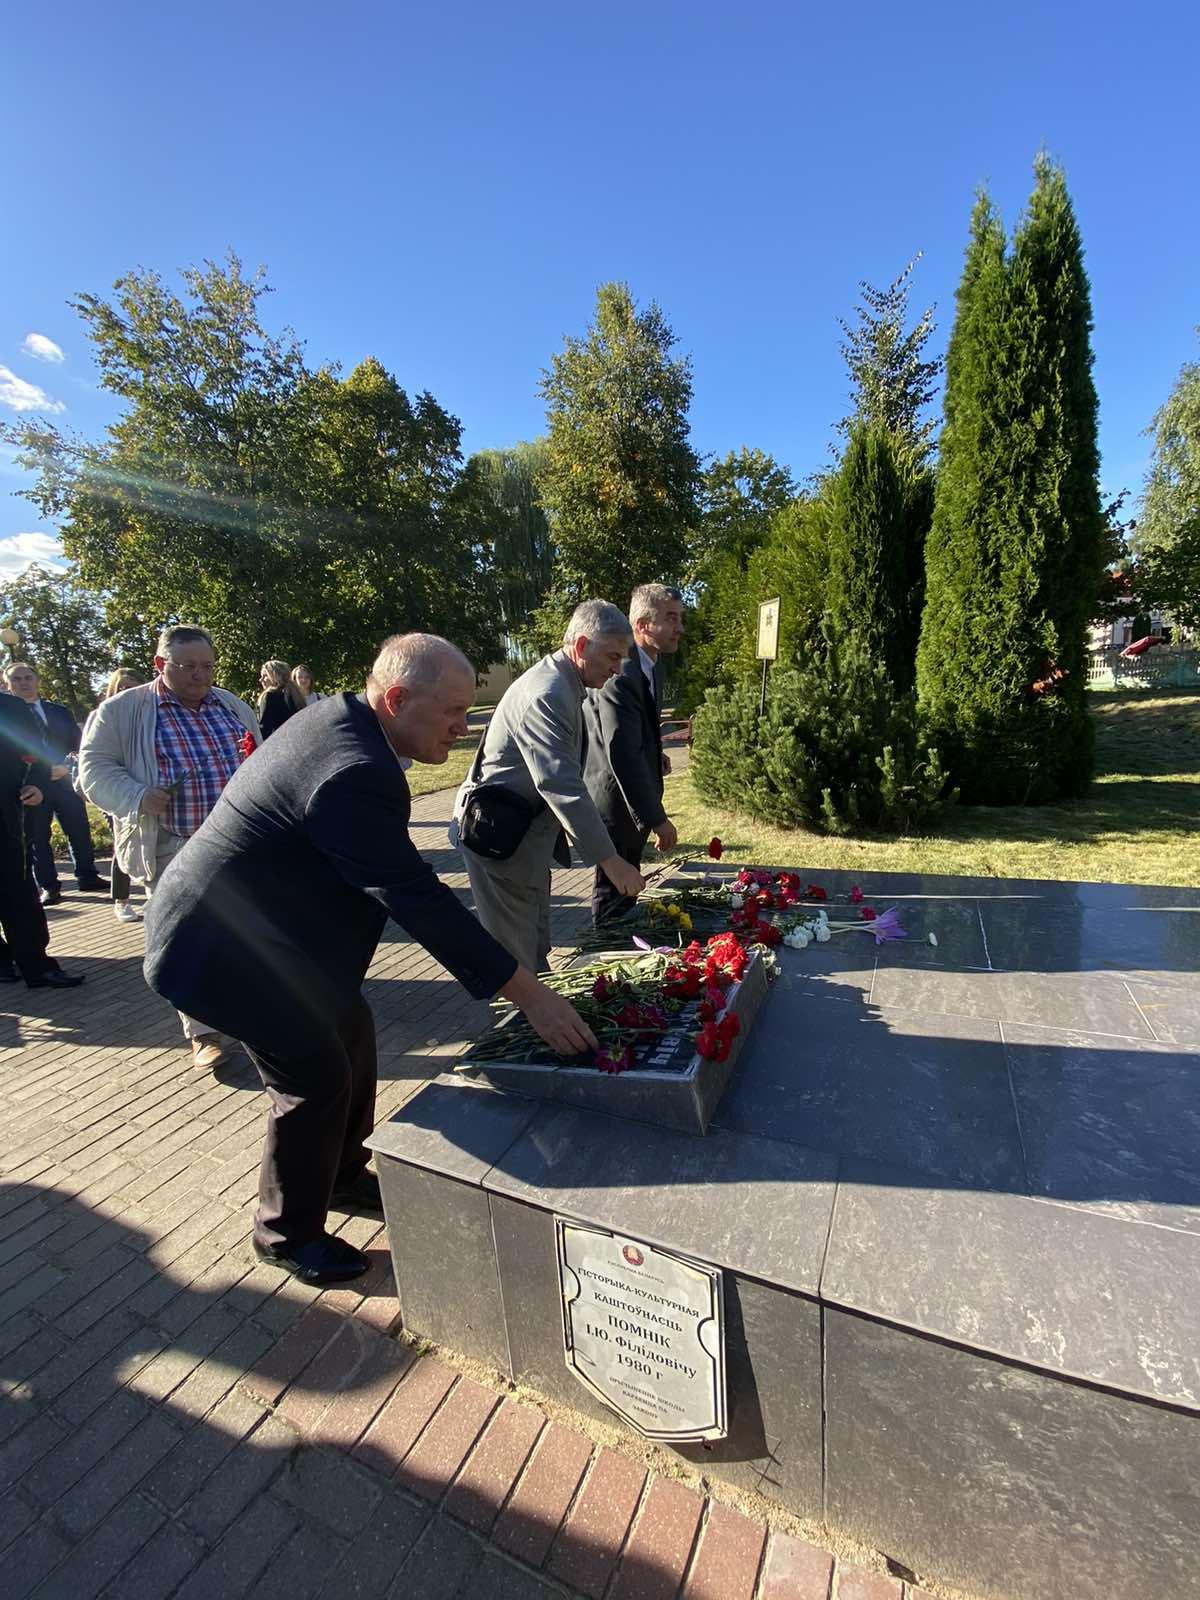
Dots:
pixel 198 669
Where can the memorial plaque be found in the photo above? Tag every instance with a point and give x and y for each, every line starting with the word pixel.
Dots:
pixel 644 1331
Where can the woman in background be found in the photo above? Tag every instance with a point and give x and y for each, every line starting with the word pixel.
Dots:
pixel 280 698
pixel 303 679
pixel 123 678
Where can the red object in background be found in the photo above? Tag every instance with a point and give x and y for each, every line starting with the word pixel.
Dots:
pixel 1140 646
pixel 715 848
pixel 247 746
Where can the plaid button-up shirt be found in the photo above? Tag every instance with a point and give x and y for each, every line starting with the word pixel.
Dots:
pixel 203 743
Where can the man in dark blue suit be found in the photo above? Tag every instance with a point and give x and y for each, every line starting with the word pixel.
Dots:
pixel 59 740
pixel 264 926
pixel 625 761
pixel 24 936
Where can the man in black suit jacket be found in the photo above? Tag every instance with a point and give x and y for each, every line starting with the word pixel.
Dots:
pixel 23 774
pixel 264 926
pixel 625 762
pixel 58 734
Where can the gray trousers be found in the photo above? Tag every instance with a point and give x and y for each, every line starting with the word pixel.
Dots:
pixel 512 898
pixel 169 846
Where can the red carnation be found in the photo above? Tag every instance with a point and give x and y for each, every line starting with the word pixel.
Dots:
pixel 867 914
pixel 715 848
pixel 815 892
pixel 856 896
pixel 247 745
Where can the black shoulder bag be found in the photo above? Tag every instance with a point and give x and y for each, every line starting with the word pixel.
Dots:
pixel 494 819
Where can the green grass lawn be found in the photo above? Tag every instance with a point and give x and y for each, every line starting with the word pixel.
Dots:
pixel 427 780
pixel 1140 822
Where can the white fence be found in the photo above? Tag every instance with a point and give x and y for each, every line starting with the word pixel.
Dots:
pixel 1157 669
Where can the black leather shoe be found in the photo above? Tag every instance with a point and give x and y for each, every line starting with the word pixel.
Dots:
pixel 51 897
pixel 360 1194
pixel 8 973
pixel 94 885
pixel 56 978
pixel 322 1260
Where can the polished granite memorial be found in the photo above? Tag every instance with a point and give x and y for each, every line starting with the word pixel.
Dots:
pixel 954 1196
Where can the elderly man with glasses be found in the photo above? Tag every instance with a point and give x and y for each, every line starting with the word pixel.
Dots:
pixel 157 758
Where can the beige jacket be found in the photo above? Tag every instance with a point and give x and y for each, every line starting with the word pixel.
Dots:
pixel 118 763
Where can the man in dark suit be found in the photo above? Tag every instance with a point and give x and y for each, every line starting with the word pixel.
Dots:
pixel 265 924
pixel 58 734
pixel 23 773
pixel 625 761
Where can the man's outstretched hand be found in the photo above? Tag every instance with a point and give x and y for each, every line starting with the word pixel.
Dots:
pixel 549 1015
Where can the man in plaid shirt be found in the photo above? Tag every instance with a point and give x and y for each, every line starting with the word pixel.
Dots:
pixel 156 759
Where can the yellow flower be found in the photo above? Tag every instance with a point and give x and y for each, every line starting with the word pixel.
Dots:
pixel 674 913
pixel 685 922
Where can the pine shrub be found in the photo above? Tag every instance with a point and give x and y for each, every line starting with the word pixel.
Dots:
pixel 838 748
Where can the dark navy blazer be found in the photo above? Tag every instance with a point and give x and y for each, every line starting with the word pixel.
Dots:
pixel 60 733
pixel 265 923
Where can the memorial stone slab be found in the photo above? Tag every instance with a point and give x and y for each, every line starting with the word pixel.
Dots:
pixel 953 1196
pixel 988 1270
pixel 758 1206
pixel 1004 1481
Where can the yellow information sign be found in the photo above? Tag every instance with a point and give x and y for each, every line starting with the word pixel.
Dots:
pixel 768 630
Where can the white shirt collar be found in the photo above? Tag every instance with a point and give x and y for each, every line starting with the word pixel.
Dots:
pixel 647 665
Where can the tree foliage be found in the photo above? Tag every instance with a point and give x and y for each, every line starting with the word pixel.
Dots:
pixel 621 477
pixel 1013 558
pixel 292 512
pixel 741 495
pixel 518 532
pixel 892 381
pixel 62 634
pixel 879 511
pixel 1168 531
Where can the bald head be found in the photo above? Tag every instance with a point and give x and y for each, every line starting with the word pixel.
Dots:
pixel 421 688
pixel 416 660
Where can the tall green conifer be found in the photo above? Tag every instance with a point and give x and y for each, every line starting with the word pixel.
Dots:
pixel 876 540
pixel 1013 557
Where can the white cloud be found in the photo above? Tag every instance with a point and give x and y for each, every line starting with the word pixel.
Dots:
pixel 43 349
pixel 22 396
pixel 19 549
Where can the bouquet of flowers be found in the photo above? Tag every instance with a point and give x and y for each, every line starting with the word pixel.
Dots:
pixel 631 1001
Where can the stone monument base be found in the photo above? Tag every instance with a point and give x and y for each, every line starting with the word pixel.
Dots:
pixel 954 1197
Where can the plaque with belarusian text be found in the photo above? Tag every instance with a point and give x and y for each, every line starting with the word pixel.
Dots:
pixel 644 1330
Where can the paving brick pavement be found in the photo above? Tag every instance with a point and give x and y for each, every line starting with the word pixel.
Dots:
pixel 179 1420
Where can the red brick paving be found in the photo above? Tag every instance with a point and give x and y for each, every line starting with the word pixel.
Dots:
pixel 728 1557
pixel 586 1551
pixel 795 1570
pixel 855 1584
pixel 660 1544
pixel 527 1526
pixel 181 1421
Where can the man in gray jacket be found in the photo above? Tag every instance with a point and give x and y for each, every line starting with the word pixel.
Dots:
pixel 156 758
pixel 534 747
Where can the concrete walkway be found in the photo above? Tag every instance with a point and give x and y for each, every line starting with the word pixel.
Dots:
pixel 181 1420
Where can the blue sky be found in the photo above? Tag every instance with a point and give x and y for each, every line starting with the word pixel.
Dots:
pixel 444 187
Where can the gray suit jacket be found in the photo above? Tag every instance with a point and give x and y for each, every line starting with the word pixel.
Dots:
pixel 535 744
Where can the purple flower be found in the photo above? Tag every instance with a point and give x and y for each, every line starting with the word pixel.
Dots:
pixel 658 949
pixel 887 926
